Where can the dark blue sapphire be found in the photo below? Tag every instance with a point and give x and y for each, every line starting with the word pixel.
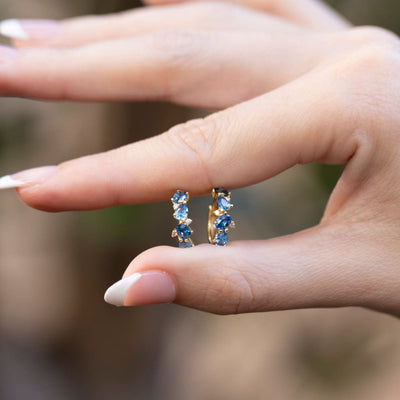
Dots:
pixel 183 231
pixel 180 196
pixel 221 191
pixel 223 203
pixel 182 212
pixel 223 222
pixel 185 245
pixel 221 239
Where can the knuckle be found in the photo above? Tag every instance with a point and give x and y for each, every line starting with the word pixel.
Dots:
pixel 245 298
pixel 373 59
pixel 174 42
pixel 232 293
pixel 196 138
pixel 216 12
pixel 379 52
pixel 373 48
pixel 366 35
pixel 175 50
pixel 370 76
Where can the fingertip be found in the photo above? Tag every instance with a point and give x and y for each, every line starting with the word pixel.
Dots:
pixel 40 200
pixel 153 287
pixel 147 280
pixel 33 190
pixel 155 258
pixel 26 33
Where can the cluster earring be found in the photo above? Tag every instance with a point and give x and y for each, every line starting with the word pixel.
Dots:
pixel 219 221
pixel 181 211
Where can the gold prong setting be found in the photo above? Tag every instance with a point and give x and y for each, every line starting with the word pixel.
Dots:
pixel 219 221
pixel 182 231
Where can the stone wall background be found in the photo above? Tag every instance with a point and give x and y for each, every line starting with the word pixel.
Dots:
pixel 59 340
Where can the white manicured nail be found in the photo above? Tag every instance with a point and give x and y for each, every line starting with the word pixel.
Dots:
pixel 116 293
pixel 8 182
pixel 12 28
pixel 32 176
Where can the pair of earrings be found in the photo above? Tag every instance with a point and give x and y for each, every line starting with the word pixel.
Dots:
pixel 219 221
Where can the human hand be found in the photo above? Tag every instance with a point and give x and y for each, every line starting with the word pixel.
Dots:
pixel 335 100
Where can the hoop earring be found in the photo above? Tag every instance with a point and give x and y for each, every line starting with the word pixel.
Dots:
pixel 219 221
pixel 181 211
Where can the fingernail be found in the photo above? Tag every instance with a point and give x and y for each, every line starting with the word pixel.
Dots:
pixel 12 28
pixel 29 29
pixel 8 182
pixel 151 287
pixel 28 177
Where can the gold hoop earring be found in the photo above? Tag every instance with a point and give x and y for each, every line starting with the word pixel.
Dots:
pixel 219 221
pixel 181 211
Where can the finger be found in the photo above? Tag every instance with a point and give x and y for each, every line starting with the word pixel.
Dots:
pixel 320 267
pixel 236 147
pixel 88 29
pixel 189 67
pixel 309 13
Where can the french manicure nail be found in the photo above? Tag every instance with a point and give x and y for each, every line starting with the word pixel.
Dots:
pixel 151 287
pixel 28 177
pixel 29 29
pixel 12 28
pixel 8 182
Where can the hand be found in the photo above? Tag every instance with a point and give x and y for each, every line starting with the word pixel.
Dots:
pixel 307 94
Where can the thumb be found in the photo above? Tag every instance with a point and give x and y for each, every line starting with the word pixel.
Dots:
pixel 313 268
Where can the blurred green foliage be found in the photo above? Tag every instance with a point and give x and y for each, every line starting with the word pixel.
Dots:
pixel 14 133
pixel 327 175
pixel 338 363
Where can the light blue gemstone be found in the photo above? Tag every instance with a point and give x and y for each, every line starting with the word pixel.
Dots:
pixel 183 231
pixel 180 196
pixel 223 203
pixel 185 245
pixel 182 212
pixel 223 222
pixel 221 239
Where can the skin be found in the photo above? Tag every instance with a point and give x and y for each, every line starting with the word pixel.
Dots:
pixel 307 87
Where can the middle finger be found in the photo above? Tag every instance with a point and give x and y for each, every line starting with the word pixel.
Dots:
pixel 206 69
pixel 199 16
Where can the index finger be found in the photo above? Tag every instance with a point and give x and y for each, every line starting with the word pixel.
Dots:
pixel 236 147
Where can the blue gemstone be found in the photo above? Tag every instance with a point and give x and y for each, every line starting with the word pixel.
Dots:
pixel 221 239
pixel 180 196
pixel 185 245
pixel 182 212
pixel 223 222
pixel 223 203
pixel 221 191
pixel 183 231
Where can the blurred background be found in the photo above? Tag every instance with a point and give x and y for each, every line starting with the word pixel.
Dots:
pixel 59 340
